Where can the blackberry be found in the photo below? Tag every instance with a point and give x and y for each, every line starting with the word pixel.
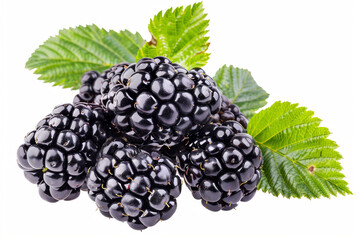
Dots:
pixel 221 165
pixel 89 91
pixel 132 185
pixel 160 102
pixel 64 145
pixel 229 111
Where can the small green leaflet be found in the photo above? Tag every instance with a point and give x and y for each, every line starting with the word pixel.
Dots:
pixel 240 87
pixel 179 35
pixel 64 58
pixel 299 159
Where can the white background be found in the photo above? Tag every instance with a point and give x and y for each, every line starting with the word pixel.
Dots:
pixel 305 52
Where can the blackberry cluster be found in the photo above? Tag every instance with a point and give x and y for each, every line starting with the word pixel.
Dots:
pixel 221 166
pixel 132 185
pixel 57 154
pixel 126 130
pixel 160 102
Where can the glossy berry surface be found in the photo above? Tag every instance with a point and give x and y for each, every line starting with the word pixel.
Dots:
pixel 89 91
pixel 64 145
pixel 110 81
pixel 158 102
pixel 95 87
pixel 229 111
pixel 221 165
pixel 132 185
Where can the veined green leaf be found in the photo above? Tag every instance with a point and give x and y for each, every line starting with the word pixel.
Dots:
pixel 240 87
pixel 64 58
pixel 180 35
pixel 299 159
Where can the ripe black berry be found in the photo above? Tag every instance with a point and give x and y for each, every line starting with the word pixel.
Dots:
pixel 64 145
pixel 221 165
pixel 132 185
pixel 158 102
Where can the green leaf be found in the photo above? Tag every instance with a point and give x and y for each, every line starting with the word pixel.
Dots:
pixel 179 35
pixel 64 58
pixel 240 87
pixel 299 159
